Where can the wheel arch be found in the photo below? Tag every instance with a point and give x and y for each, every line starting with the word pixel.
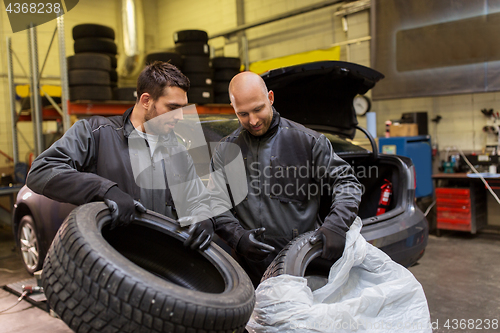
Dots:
pixel 22 209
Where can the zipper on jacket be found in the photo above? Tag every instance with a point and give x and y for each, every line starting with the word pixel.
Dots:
pixel 260 182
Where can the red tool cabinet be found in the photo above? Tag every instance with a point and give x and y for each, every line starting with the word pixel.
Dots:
pixel 461 208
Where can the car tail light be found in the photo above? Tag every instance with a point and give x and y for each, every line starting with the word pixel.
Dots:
pixel 413 178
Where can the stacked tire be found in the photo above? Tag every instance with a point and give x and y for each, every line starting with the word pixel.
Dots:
pixel 92 70
pixel 224 70
pixel 170 56
pixel 128 94
pixel 192 45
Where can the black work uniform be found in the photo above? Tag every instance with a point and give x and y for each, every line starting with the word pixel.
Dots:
pixel 288 169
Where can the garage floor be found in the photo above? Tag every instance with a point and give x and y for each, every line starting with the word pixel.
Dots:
pixel 459 272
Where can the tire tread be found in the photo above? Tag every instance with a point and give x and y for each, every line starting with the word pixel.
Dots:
pixel 277 266
pixel 119 303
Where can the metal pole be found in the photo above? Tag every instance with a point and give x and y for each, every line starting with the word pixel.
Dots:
pixel 246 59
pixel 64 73
pixel 15 148
pixel 32 94
pixel 242 37
pixel 48 51
pixel 275 18
pixel 36 105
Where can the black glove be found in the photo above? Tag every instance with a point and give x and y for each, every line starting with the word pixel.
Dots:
pixel 200 234
pixel 251 248
pixel 333 243
pixel 122 206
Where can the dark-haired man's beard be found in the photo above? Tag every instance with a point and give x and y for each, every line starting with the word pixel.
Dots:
pixel 150 114
pixel 157 124
pixel 151 125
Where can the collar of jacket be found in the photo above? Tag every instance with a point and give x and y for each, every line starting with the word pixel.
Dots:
pixel 272 128
pixel 127 124
pixel 166 140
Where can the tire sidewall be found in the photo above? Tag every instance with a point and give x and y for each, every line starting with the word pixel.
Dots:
pixel 90 225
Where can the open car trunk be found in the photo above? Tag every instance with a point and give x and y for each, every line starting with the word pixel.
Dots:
pixel 372 175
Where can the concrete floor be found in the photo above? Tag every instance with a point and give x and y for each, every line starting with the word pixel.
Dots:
pixel 23 317
pixel 459 273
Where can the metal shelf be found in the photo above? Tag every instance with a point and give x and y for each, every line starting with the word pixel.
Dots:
pixel 38 113
pixel 112 108
pixel 67 108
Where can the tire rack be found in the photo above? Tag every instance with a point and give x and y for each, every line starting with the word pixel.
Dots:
pixel 78 108
pixel 36 108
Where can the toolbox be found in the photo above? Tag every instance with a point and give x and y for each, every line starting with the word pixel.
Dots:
pixel 461 209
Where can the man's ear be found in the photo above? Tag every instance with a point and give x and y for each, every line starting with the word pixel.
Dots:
pixel 145 100
pixel 270 95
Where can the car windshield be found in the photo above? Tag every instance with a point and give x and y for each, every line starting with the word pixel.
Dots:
pixel 215 127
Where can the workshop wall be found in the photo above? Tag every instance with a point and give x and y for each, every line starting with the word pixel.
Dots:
pixel 461 124
pixel 319 29
pixel 210 15
pixel 311 31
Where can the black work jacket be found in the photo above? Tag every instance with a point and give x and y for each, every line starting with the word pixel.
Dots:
pixel 95 154
pixel 288 169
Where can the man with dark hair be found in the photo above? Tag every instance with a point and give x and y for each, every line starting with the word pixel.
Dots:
pixel 129 161
pixel 288 166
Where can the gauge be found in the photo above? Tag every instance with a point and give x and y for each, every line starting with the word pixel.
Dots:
pixel 362 105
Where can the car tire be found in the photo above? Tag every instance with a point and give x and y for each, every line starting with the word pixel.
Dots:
pixel 190 36
pixel 125 94
pixel 222 98
pixel 226 63
pixel 225 74
pixel 92 31
pixel 92 93
pixel 196 64
pixel 201 95
pixel 173 57
pixel 113 75
pixel 98 45
pixel 78 77
pixel 141 278
pixel 300 258
pixel 193 48
pixel 200 79
pixel 89 61
pixel 221 87
pixel 114 60
pixel 28 241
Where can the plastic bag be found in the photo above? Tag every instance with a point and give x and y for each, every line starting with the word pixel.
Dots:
pixel 366 292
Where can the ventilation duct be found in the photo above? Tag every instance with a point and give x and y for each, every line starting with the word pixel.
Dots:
pixel 133 38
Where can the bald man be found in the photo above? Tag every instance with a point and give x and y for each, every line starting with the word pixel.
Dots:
pixel 288 168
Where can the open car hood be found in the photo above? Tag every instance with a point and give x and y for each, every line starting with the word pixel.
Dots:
pixel 321 93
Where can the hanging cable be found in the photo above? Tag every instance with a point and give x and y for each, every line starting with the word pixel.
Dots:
pixel 18 301
pixel 429 208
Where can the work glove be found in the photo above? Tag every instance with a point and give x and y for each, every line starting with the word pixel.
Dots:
pixel 251 248
pixel 200 234
pixel 122 207
pixel 333 243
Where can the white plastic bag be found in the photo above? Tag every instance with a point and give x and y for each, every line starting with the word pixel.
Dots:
pixel 366 292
